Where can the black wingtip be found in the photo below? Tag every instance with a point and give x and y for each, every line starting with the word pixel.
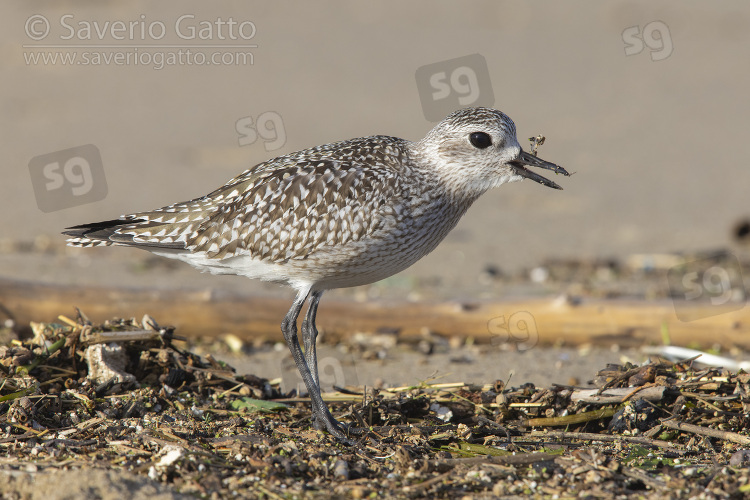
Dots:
pixel 85 229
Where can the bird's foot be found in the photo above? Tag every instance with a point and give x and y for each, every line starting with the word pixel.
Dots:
pixel 326 422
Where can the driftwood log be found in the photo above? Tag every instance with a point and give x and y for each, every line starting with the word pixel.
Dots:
pixel 525 322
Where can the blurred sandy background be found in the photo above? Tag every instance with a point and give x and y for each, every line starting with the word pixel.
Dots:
pixel 658 139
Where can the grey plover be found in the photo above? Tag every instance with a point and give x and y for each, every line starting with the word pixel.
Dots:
pixel 338 215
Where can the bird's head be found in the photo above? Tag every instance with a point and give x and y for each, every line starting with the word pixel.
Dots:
pixel 476 149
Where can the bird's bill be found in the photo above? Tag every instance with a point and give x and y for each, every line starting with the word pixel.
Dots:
pixel 532 161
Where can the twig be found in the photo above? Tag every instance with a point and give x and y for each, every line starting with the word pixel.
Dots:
pixel 230 390
pixel 126 336
pixel 444 386
pixel 267 492
pixel 522 459
pixel 70 443
pixel 618 377
pixel 17 394
pixel 592 436
pixel 705 431
pixel 642 476
pixel 578 418
pixel 13 439
pixel 38 360
pixel 428 483
pixel 619 395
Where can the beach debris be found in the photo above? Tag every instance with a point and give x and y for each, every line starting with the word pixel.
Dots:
pixel 677 353
pixel 107 364
pixel 663 428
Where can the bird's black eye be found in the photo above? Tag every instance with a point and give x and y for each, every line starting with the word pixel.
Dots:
pixel 480 140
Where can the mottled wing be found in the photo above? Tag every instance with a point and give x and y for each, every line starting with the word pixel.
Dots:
pixel 278 210
pixel 302 204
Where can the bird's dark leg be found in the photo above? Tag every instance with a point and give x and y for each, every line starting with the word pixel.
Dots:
pixel 309 338
pixel 319 408
pixel 310 335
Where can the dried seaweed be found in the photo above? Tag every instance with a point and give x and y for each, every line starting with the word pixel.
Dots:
pixel 195 425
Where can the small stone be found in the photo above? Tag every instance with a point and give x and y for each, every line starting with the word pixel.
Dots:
pixel 740 458
pixel 341 470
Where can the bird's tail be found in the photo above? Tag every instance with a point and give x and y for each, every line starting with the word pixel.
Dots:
pixel 94 234
pixel 122 231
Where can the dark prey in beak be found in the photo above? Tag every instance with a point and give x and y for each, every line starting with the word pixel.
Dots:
pixel 532 161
